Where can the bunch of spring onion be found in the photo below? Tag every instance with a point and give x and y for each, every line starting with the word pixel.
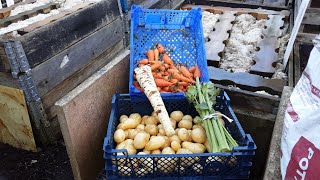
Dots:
pixel 203 96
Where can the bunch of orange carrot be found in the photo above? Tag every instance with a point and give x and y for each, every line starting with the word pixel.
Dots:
pixel 168 76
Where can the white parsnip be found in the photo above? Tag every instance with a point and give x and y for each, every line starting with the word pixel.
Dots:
pixel 146 81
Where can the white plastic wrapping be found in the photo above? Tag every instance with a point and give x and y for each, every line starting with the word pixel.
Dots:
pixel 300 145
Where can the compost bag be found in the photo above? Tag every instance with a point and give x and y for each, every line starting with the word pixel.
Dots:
pixel 300 144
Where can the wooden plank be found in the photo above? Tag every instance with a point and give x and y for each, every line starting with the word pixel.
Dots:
pixel 27 14
pixel 83 116
pixel 297 68
pixel 275 2
pixel 52 72
pixel 15 126
pixel 53 18
pixel 312 16
pixel 77 78
pixel 238 4
pixel 48 41
pixel 272 170
pixel 6 79
pixel 246 81
pixel 5 12
pixel 254 12
pixel 218 37
pixel 305 37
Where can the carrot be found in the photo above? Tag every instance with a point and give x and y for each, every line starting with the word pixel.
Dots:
pixel 166 73
pixel 181 87
pixel 179 90
pixel 160 48
pixel 174 81
pixel 166 78
pixel 150 55
pixel 192 69
pixel 158 75
pixel 167 59
pixel 185 71
pixel 144 61
pixel 162 83
pixel 163 91
pixel 185 84
pixel 197 72
pixel 156 54
pixel 166 88
pixel 182 78
pixel 155 66
pixel 167 66
pixel 174 67
pixel 154 62
pixel 171 71
pixel 162 68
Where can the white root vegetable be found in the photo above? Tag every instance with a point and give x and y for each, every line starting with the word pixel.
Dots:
pixel 146 81
pixel 176 115
pixel 119 136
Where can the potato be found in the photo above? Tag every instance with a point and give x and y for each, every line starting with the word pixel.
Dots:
pixel 136 116
pixel 124 143
pixel 155 143
pixel 176 115
pixel 141 172
pixel 123 117
pixel 197 120
pixel 140 126
pixel 146 151
pixel 157 151
pixel 175 138
pixel 177 130
pixel 194 147
pixel 190 138
pixel 129 124
pixel 124 171
pixel 119 136
pixel 184 151
pixel 162 132
pixel 198 168
pixel 146 163
pixel 143 121
pixel 126 132
pixel 183 134
pixel 185 124
pixel 151 129
pixel 198 135
pixel 197 126
pixel 151 120
pixel 132 133
pixel 187 117
pixel 168 150
pixel 206 144
pixel 166 144
pixel 175 145
pixel 180 169
pixel 130 148
pixel 140 140
pixel 173 123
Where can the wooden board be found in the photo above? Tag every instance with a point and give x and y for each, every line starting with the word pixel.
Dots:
pixel 48 41
pixel 52 72
pixel 15 126
pixel 246 81
pixel 83 116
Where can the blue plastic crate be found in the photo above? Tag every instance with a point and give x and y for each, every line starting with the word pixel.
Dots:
pixel 180 32
pixel 227 165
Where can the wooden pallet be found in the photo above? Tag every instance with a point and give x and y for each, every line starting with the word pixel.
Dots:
pixel 265 57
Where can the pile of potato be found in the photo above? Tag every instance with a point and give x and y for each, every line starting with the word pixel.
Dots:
pixel 145 135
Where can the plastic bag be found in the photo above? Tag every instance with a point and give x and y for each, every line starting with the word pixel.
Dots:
pixel 300 143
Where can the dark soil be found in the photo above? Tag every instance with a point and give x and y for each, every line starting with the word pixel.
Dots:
pixel 50 163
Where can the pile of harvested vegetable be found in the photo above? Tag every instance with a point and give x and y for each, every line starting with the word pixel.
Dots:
pixel 168 76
